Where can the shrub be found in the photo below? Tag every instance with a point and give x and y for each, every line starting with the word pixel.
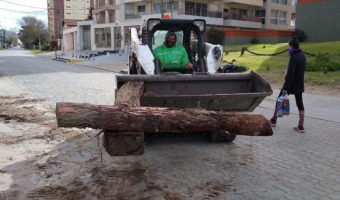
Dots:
pixel 301 35
pixel 241 68
pixel 45 46
pixel 254 41
pixel 216 36
pixel 324 61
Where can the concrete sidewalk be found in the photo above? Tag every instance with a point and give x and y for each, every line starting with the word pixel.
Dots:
pixel 316 106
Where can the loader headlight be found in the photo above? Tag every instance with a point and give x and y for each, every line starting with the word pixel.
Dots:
pixel 200 23
pixel 217 53
pixel 152 23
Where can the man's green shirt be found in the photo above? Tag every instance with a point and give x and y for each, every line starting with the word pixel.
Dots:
pixel 174 57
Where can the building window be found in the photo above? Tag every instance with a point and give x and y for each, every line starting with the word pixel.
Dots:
pixel 278 17
pixel 243 14
pixel 294 2
pixel 283 2
pixel 197 9
pixel 166 7
pixel 141 8
pixel 262 15
pixel 292 22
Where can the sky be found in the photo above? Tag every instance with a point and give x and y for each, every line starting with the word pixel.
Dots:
pixel 13 10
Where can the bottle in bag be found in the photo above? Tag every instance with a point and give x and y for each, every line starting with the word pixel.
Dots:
pixel 286 106
pixel 279 106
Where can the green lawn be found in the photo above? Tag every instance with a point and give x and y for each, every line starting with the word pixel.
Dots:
pixel 36 51
pixel 272 67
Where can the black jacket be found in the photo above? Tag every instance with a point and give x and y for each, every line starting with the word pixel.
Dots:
pixel 295 77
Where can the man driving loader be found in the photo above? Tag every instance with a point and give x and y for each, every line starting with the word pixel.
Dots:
pixel 172 57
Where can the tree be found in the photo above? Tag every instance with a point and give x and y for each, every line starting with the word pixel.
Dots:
pixel 11 37
pixel 301 35
pixel 33 31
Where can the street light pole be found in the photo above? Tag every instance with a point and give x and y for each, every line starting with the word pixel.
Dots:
pixel 162 11
pixel 172 8
pixel 39 37
pixel 61 30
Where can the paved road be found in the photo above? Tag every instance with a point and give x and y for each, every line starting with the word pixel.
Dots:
pixel 287 165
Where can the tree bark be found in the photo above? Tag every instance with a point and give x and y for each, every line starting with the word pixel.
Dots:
pixel 155 119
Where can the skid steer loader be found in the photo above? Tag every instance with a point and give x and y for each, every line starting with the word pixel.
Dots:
pixel 204 88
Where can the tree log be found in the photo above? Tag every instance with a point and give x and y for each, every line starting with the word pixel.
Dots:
pixel 127 142
pixel 155 119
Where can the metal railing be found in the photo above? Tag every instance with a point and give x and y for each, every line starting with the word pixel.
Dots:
pixel 241 17
pixel 203 13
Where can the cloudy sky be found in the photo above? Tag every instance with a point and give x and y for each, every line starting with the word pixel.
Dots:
pixel 13 10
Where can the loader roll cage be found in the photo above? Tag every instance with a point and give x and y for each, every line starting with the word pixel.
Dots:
pixel 193 39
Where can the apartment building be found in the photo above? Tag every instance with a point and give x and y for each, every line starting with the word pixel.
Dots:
pixel 58 10
pixel 319 19
pixel 245 18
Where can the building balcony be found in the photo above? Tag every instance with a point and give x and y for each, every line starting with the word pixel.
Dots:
pixel 176 13
pixel 246 2
pixel 202 13
pixel 106 7
pixel 133 1
pixel 243 21
pixel 101 3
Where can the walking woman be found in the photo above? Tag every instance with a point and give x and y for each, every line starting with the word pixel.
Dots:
pixel 294 82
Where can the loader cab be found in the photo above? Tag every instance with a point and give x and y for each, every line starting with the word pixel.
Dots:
pixel 190 35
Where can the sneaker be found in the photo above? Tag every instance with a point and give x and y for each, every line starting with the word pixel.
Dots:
pixel 272 122
pixel 299 129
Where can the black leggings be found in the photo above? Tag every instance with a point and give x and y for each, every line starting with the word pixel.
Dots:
pixel 298 99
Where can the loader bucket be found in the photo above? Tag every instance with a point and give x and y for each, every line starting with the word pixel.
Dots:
pixel 229 91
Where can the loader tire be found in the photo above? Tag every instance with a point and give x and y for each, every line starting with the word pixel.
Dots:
pixel 133 69
pixel 158 67
pixel 136 68
pixel 220 136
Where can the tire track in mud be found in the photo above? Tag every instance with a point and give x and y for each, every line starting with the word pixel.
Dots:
pixel 106 183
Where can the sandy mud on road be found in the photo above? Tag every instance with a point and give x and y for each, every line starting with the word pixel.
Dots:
pixel 41 161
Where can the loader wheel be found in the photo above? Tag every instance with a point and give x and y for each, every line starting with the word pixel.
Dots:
pixel 136 68
pixel 133 69
pixel 158 67
pixel 132 66
pixel 220 136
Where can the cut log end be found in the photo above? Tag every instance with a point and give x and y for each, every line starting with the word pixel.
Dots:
pixel 123 143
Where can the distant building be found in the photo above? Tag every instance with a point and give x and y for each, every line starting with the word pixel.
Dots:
pixel 242 20
pixel 58 10
pixel 319 19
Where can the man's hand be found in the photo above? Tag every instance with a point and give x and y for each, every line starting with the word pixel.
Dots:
pixel 284 91
pixel 190 66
